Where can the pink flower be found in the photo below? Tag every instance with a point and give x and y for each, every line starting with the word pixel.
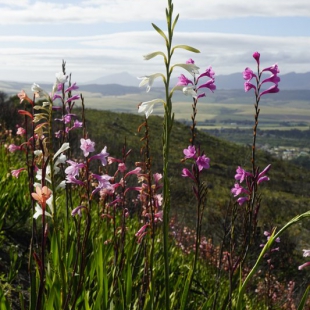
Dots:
pixel 273 69
pixel 15 173
pixel 256 56
pixel 304 265
pixel 190 61
pixel 103 182
pixel 71 179
pixel 122 167
pixel 210 84
pixel 203 162
pixel 23 96
pixel 41 195
pixel 183 81
pixel 77 210
pixel 242 200
pixel 241 174
pixel 248 86
pixel 190 152
pixel 248 74
pixel 20 131
pixel 102 156
pixel 238 189
pixel 87 146
pixel 135 171
pixel 13 148
pixel 74 168
pixel 209 73
pixel 272 79
pixel 72 87
pixel 186 173
pixel 306 254
pixel 271 90
pixel 75 97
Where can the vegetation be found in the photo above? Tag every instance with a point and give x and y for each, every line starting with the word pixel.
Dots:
pixel 164 217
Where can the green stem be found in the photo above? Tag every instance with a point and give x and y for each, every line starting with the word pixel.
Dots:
pixel 168 122
pixel 273 237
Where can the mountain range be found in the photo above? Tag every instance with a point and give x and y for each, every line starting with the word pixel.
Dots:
pixel 293 85
pixel 289 81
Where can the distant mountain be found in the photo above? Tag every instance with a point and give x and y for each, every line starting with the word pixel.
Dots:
pixel 123 78
pixel 292 85
pixel 289 81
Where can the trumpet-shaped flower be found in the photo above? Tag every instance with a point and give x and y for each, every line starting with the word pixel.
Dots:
pixel 148 80
pixel 39 212
pixel 71 179
pixel 73 169
pixel 20 131
pixel 274 69
pixel 248 86
pixel 148 106
pixel 39 92
pixel 272 79
pixel 238 189
pixel 248 74
pixel 77 210
pixel 42 195
pixel 203 162
pixel 13 148
pixel 241 174
pixel 61 78
pixel 186 173
pixel 306 254
pixel 15 173
pixel 190 67
pixel 190 152
pixel 72 87
pixel 103 182
pixel 62 149
pixel 102 156
pixel 242 200
pixel 189 91
pixel 210 84
pixel 271 90
pixel 87 146
pixel 183 81
pixel 23 96
pixel 209 73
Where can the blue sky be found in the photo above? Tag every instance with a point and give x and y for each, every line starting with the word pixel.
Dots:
pixel 102 37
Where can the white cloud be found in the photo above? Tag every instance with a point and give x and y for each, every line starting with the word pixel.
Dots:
pixel 95 56
pixel 117 11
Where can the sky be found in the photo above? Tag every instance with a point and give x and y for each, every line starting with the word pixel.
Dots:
pixel 102 37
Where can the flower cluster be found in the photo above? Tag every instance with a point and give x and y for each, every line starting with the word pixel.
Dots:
pixel 190 87
pixel 201 162
pixel 248 75
pixel 59 93
pixel 250 179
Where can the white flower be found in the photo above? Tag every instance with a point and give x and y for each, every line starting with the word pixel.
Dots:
pixel 147 106
pixel 39 212
pixel 306 253
pixel 188 90
pixel 39 92
pixel 148 80
pixel 61 78
pixel 191 68
pixel 63 148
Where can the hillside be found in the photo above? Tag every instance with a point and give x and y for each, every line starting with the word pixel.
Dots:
pixel 286 195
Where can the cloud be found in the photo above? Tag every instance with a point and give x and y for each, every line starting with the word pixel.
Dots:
pixel 117 11
pixel 94 56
